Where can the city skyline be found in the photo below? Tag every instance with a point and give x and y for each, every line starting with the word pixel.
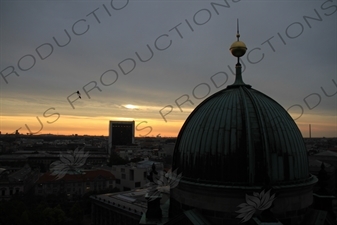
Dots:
pixel 154 62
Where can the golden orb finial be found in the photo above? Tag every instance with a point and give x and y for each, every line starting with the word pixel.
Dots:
pixel 238 48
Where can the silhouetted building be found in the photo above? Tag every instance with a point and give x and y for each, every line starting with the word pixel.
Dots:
pixel 75 185
pixel 43 160
pixel 121 133
pixel 133 175
pixel 16 183
pixel 122 208
pixel 315 167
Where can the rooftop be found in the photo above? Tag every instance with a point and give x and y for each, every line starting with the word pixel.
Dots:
pixel 89 175
pixel 130 201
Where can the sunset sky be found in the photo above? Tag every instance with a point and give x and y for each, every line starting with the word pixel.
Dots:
pixel 154 61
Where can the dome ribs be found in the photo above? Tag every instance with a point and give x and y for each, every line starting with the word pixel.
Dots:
pixel 241 136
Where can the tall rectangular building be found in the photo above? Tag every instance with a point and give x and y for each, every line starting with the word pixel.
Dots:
pixel 121 133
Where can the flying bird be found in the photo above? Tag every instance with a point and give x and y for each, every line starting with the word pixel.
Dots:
pixel 79 94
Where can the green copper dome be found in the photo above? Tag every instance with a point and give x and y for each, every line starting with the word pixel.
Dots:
pixel 240 136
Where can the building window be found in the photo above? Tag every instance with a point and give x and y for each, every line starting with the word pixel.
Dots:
pixel 123 170
pixel 126 189
pixel 3 192
pixel 118 181
pixel 132 173
pixel 145 175
pixel 137 184
pixel 123 176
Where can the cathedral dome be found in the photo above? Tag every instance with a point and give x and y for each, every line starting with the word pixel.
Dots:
pixel 241 136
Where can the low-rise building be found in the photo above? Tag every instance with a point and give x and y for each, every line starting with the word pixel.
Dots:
pixel 118 208
pixel 44 159
pixel 129 207
pixel 75 185
pixel 18 182
pixel 315 166
pixel 134 175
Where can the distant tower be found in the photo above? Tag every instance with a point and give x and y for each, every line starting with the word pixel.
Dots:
pixel 121 133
